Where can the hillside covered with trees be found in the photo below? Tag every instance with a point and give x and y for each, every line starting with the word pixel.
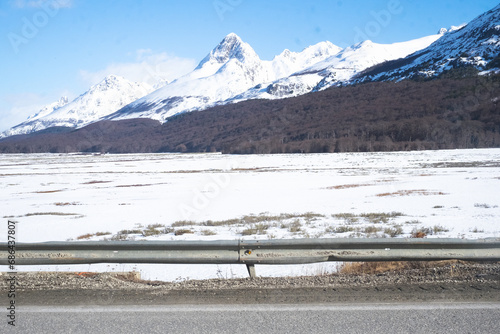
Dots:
pixel 443 113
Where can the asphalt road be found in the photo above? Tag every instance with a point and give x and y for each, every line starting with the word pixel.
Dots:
pixel 236 318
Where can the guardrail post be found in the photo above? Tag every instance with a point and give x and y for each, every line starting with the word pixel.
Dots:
pixel 251 270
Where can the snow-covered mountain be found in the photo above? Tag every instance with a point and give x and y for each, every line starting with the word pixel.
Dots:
pixel 49 109
pixel 336 69
pixel 233 72
pixel 231 68
pixel 476 44
pixel 100 100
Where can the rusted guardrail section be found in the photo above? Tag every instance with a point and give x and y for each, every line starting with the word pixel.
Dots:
pixel 252 252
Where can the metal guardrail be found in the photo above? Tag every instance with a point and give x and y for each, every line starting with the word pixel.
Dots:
pixel 252 252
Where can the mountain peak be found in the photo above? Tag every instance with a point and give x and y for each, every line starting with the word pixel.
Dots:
pixel 442 31
pixel 231 47
pixel 110 82
pixel 113 79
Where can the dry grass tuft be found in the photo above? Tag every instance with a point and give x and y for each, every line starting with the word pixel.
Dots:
pixel 90 235
pixel 347 186
pixel 48 191
pixel 258 228
pixel 422 232
pixel 180 223
pixel 183 231
pixel 85 236
pixel 207 232
pixel 95 182
pixel 134 185
pixel 50 214
pixel 66 203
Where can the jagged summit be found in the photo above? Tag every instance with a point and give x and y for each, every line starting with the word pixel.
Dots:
pixel 443 31
pixel 114 82
pixel 231 47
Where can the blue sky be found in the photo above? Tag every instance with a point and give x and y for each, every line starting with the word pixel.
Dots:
pixel 51 48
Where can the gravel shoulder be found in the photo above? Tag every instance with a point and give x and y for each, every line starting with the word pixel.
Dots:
pixel 453 282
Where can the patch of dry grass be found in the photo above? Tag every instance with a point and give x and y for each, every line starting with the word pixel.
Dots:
pixel 66 203
pixel 90 235
pixel 183 231
pixel 180 223
pixel 48 191
pixel 258 228
pixel 207 232
pixel 134 185
pixel 380 217
pixel 421 192
pixel 50 214
pixel 422 232
pixel 347 186
pixel 95 182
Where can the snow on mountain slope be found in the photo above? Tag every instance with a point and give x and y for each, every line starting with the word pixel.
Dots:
pixel 476 44
pixel 104 98
pixel 289 62
pixel 357 58
pixel 233 72
pixel 231 68
pixel 49 108
pixel 339 68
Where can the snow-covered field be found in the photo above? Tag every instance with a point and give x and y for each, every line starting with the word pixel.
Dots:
pixel 212 196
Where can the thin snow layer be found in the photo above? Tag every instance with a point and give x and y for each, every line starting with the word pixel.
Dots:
pixel 63 197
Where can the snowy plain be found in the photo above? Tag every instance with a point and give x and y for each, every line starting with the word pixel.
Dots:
pixel 58 197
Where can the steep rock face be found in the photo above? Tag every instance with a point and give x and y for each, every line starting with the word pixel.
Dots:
pixel 475 45
pixel 109 95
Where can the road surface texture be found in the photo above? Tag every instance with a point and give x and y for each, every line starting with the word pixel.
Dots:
pixel 350 318
pixel 457 297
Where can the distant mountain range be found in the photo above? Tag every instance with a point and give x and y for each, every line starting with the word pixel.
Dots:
pixel 232 72
pixel 109 95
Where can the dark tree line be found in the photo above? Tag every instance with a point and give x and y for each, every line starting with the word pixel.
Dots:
pixel 444 113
